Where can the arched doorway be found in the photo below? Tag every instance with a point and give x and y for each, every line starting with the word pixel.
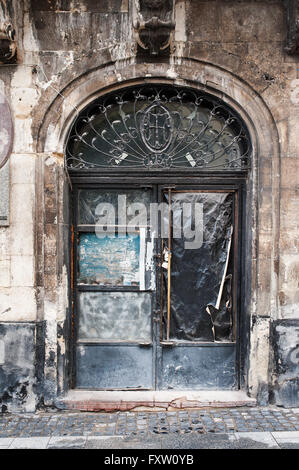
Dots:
pixel 159 177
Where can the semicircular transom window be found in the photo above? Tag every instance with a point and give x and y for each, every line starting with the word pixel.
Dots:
pixel 158 127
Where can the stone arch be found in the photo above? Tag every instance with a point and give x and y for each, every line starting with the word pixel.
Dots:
pixel 263 185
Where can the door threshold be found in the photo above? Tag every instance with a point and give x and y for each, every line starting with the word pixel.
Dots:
pixel 170 400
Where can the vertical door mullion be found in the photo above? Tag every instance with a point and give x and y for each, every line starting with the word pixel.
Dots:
pixel 75 319
pixel 156 318
pixel 159 295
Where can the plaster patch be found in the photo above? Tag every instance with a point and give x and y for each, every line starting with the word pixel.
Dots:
pixel 50 312
pixel 52 139
pixel 22 78
pixel 46 82
pixel 49 161
pixel 23 129
pixel 30 43
pixel 180 21
pixel 2 92
pixel 61 343
pixel 23 101
pixel 63 295
pixel 171 73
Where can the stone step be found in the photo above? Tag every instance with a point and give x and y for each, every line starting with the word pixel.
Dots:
pixel 153 400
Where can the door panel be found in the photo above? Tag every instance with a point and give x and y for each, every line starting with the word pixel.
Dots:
pixel 178 333
pixel 199 367
pixel 114 289
pixel 198 348
pixel 114 366
pixel 199 268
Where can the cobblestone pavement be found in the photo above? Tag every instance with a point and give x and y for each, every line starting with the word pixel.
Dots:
pixel 146 424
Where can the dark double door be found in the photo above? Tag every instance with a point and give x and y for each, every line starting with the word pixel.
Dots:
pixel 156 287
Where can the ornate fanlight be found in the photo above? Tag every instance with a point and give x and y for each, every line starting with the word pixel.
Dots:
pixel 158 127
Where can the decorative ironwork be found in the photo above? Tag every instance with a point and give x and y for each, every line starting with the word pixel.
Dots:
pixel 156 127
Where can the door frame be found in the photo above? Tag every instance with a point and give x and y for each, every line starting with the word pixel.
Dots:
pixel 237 190
pixel 207 182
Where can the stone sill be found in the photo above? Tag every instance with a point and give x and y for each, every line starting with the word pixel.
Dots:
pixel 108 401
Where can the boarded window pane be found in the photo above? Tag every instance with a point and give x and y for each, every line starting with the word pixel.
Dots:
pixel 196 274
pixel 115 316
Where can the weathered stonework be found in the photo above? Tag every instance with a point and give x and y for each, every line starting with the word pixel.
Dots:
pixel 154 26
pixel 285 342
pixel 69 53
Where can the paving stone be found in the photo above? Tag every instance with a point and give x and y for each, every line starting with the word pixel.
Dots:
pixel 286 435
pixel 201 421
pixel 104 443
pixel 288 445
pixel 262 438
pixel 5 442
pixel 69 442
pixel 29 443
pixel 198 441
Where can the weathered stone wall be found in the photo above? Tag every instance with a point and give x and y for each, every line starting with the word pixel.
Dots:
pixel 67 52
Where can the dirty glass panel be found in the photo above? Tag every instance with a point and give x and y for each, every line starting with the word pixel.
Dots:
pixel 115 316
pixel 111 260
pixel 89 200
pixel 201 278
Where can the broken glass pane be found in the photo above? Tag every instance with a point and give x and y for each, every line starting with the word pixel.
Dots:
pixel 201 278
pixel 115 316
